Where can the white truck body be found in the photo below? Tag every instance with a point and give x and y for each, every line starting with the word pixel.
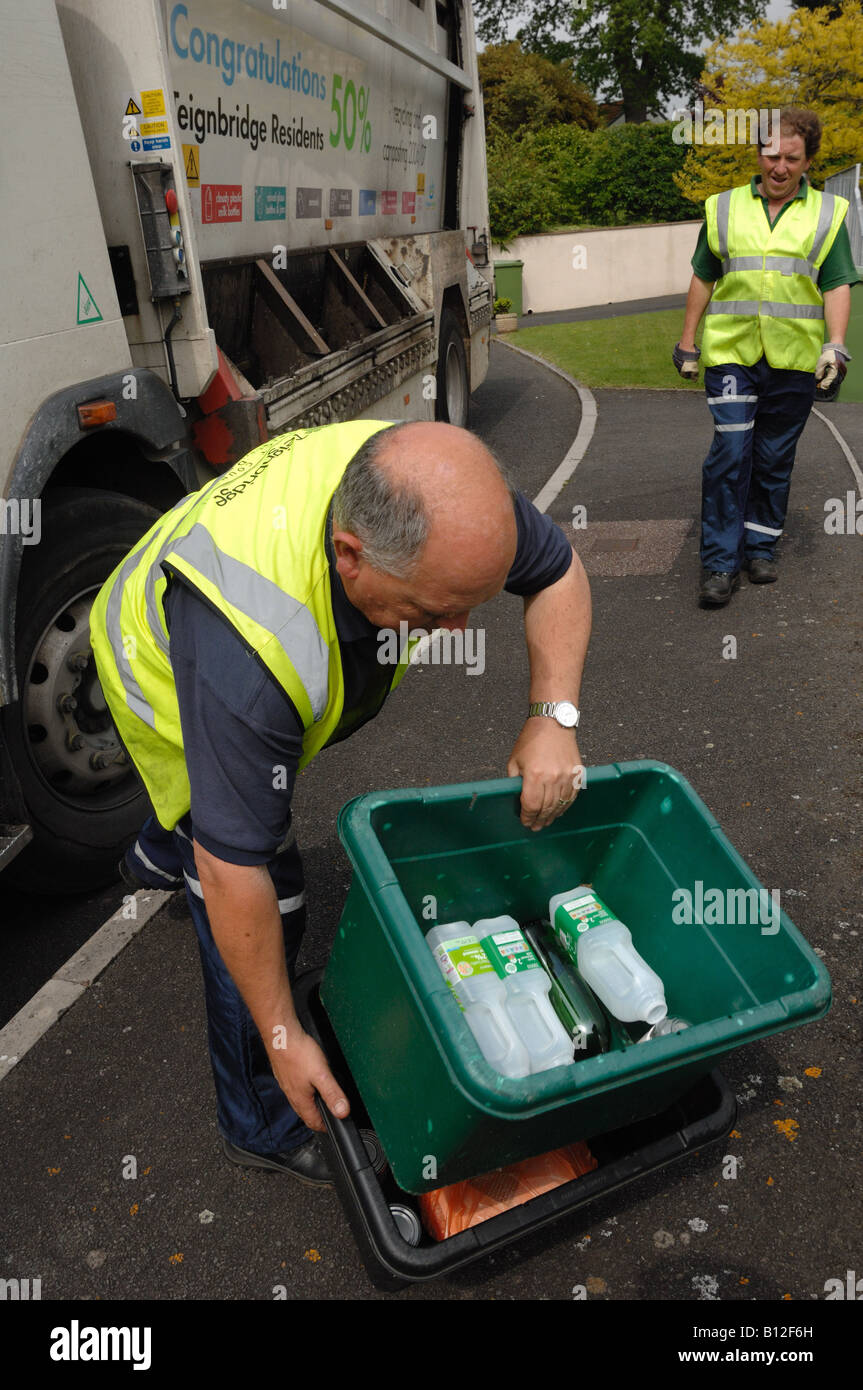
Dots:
pixel 221 219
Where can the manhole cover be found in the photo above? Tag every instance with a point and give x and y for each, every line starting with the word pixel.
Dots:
pixel 615 549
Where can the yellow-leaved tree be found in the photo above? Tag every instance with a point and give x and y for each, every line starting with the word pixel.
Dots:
pixel 806 60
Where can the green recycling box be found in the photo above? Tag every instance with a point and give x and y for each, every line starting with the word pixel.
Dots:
pixel 732 963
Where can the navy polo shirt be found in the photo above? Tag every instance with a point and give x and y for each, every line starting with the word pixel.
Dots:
pixel 242 735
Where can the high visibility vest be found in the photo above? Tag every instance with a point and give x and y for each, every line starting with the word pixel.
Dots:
pixel 252 544
pixel 767 302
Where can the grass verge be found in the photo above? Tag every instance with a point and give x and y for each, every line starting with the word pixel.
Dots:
pixel 632 351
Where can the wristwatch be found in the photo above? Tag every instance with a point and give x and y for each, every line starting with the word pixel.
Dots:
pixel 563 711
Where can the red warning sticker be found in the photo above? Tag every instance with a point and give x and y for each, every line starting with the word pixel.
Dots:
pixel 409 202
pixel 221 202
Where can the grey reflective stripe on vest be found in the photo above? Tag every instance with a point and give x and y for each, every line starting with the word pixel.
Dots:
pixel 134 694
pixel 751 308
pixel 828 207
pixel 261 599
pixel 723 209
pixel 786 265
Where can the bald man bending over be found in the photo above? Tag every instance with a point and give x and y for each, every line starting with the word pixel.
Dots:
pixel 381 526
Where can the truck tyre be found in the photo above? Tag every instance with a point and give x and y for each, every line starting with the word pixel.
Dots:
pixel 84 800
pixel 453 384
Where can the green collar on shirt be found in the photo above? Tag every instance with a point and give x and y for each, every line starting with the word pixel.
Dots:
pixel 801 194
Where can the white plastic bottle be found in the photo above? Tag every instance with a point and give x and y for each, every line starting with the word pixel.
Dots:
pixel 527 985
pixel 480 995
pixel 601 947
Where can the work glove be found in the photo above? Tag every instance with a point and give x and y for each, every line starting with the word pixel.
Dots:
pixel 830 371
pixel 686 361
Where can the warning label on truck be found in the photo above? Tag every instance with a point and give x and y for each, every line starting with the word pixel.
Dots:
pixel 221 202
pixel 192 165
pixel 88 311
pixel 153 102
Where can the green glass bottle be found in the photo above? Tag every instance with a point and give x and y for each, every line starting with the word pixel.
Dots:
pixel 575 1004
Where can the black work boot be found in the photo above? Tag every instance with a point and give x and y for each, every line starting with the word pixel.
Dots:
pixel 307 1163
pixel 762 570
pixel 717 587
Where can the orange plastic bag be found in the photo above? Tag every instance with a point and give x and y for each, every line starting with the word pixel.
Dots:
pixel 448 1210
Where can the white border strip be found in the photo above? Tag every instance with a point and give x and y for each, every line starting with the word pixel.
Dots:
pixel 579 446
pixel 852 462
pixel 60 992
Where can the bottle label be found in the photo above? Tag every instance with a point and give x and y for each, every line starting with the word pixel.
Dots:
pixel 509 953
pixel 462 958
pixel 578 915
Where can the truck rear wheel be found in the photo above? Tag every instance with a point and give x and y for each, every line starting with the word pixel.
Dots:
pixel 84 800
pixel 453 384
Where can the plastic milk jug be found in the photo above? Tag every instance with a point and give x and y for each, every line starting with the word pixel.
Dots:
pixel 602 948
pixel 527 987
pixel 480 995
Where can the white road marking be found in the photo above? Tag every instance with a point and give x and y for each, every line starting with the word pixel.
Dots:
pixel 843 445
pixel 579 446
pixel 68 984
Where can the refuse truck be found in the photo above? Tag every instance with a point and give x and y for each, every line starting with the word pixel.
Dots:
pixel 222 219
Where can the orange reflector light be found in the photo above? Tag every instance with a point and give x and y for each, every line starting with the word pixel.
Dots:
pixel 96 413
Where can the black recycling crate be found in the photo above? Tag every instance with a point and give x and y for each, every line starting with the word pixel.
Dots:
pixel 704 1115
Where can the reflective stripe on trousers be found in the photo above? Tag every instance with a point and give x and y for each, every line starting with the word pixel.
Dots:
pixel 252 1109
pixel 759 413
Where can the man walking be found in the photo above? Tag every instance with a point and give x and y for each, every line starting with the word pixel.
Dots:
pixel 242 636
pixel 773 268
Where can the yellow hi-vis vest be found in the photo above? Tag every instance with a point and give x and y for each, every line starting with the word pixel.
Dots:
pixel 252 544
pixel 767 302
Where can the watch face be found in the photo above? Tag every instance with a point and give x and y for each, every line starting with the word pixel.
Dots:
pixel 566 714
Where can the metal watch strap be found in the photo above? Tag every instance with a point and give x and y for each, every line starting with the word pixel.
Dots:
pixel 549 709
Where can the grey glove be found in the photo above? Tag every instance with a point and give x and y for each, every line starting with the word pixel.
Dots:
pixel 831 365
pixel 686 361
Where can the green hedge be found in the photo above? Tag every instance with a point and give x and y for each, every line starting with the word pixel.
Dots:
pixel 569 177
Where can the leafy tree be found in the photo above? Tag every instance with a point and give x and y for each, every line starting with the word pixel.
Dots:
pixel 640 50
pixel 806 60
pixel 564 176
pixel 528 91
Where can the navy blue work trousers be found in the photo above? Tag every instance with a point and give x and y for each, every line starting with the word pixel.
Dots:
pixel 252 1109
pixel 759 413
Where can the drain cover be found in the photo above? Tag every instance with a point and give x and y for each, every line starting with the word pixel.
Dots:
pixel 616 549
pixel 611 544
